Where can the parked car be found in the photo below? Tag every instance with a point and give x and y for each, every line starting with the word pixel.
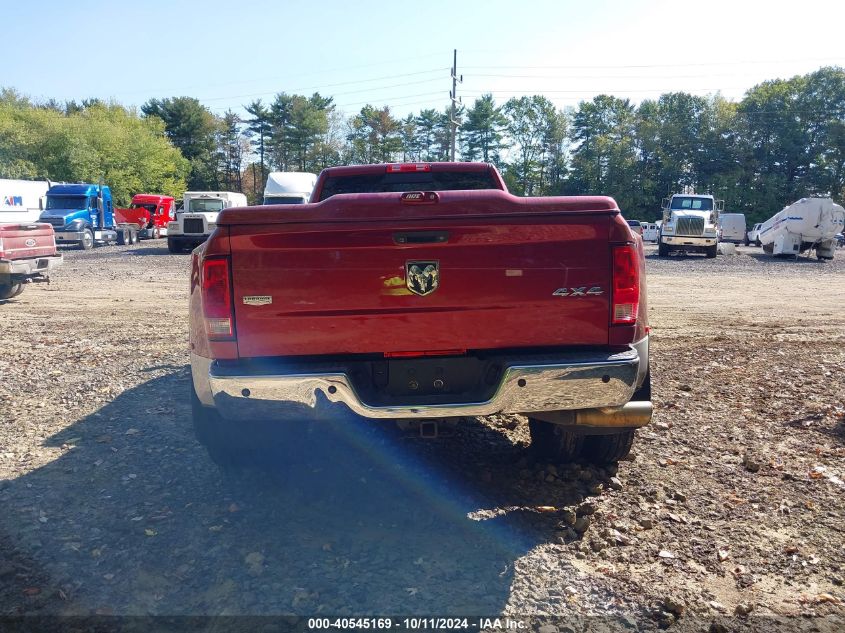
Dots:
pixel 636 227
pixel 753 236
pixel 27 254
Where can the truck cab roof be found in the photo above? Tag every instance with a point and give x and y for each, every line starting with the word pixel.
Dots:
pixel 151 197
pixel 692 195
pixel 76 189
pixel 281 182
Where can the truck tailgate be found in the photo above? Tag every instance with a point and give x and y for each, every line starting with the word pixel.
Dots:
pixel 342 287
pixel 24 241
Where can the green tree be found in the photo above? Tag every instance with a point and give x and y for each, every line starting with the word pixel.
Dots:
pixel 233 147
pixel 605 160
pixel 192 128
pixel 259 126
pixel 101 141
pixel 532 128
pixel 483 131
pixel 374 136
pixel 408 133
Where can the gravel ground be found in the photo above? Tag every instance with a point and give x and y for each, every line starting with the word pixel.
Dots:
pixel 730 513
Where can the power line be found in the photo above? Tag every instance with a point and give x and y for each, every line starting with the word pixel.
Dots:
pixel 593 76
pixel 679 65
pixel 308 73
pixel 525 91
pixel 318 88
pixel 422 94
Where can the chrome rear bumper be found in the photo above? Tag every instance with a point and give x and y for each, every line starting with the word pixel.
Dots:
pixel 30 266
pixel 568 382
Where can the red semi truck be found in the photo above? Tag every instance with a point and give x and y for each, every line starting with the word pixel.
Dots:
pixel 27 254
pixel 150 213
pixel 422 292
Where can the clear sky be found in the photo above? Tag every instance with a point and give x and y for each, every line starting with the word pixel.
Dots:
pixel 398 53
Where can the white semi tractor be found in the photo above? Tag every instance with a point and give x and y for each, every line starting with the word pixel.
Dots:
pixel 803 226
pixel 690 224
pixel 198 217
pixel 289 187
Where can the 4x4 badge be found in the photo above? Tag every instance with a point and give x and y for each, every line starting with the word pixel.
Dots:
pixel 422 278
pixel 578 292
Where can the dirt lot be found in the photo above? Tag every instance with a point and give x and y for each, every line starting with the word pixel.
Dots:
pixel 731 512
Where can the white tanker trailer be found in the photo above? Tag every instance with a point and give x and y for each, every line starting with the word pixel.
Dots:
pixel 810 223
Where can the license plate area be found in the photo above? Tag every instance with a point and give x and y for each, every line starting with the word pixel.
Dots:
pixel 428 380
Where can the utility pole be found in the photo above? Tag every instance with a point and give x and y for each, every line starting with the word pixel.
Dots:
pixel 454 97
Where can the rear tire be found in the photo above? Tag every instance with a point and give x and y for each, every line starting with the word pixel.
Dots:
pixel 606 449
pixel 551 441
pixel 9 291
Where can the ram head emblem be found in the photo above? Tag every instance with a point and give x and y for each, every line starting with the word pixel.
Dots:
pixel 422 278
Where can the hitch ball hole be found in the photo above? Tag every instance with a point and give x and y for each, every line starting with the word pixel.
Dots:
pixel 332 389
pixel 605 378
pixel 521 382
pixel 245 393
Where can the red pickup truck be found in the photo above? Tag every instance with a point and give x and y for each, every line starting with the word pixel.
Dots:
pixel 422 292
pixel 27 253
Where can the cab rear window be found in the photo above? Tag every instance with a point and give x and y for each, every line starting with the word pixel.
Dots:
pixel 408 181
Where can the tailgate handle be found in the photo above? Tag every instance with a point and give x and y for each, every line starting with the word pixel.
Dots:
pixel 421 237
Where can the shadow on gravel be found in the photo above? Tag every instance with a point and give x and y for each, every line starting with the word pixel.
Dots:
pixel 683 256
pixel 789 259
pixel 146 251
pixel 132 518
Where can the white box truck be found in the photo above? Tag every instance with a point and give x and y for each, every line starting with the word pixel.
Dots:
pixel 22 201
pixel 650 232
pixel 289 187
pixel 732 228
pixel 198 217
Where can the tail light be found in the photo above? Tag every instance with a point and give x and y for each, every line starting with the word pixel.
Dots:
pixel 626 285
pixel 217 298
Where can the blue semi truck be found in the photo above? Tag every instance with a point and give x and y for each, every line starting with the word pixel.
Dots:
pixel 83 214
